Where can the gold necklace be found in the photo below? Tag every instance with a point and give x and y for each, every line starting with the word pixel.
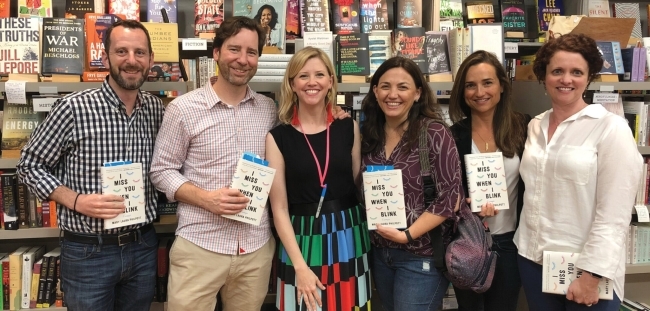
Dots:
pixel 485 141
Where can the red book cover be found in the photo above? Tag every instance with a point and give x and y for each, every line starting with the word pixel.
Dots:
pixel 4 8
pixel 46 213
pixel 208 15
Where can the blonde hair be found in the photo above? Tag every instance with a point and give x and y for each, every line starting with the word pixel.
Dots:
pixel 287 97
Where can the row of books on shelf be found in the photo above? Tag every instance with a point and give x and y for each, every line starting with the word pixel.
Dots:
pixel 638 243
pixel 633 305
pixel 20 208
pixel 30 279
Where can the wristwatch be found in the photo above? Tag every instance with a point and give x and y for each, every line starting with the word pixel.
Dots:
pixel 408 235
pixel 598 276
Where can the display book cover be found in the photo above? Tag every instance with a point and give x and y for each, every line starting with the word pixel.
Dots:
pixel 253 178
pixel 353 58
pixel 383 191
pixel 486 180
pixel 559 270
pixel 125 179
pixel 546 10
pixel 612 57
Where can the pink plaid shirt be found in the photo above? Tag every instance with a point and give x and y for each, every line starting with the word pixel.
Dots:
pixel 200 141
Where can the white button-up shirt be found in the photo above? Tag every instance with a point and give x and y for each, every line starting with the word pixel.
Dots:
pixel 580 190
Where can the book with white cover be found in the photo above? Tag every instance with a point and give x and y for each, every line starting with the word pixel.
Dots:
pixel 126 180
pixel 384 197
pixel 559 270
pixel 253 178
pixel 486 180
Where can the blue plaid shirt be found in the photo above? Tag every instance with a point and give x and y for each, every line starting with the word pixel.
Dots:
pixel 82 132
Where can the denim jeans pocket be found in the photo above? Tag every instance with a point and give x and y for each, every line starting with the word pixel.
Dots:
pixel 149 239
pixel 76 251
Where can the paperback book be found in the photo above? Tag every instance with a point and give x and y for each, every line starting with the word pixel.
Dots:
pixel 374 15
pixel 486 180
pixel 384 196
pixel 253 178
pixel 346 16
pixel 125 179
pixel 559 270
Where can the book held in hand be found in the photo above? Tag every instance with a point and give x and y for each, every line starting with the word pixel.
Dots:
pixel 384 197
pixel 253 177
pixel 486 180
pixel 559 270
pixel 126 180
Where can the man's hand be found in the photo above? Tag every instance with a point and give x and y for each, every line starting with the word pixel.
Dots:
pixel 225 201
pixel 103 206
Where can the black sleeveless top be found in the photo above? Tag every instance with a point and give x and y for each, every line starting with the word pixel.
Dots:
pixel 301 172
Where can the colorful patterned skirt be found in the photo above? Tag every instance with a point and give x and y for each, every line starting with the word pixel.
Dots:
pixel 335 246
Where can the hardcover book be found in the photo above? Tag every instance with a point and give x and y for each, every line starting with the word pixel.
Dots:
pixel 629 10
pixel 163 72
pixel 379 50
pixel 154 7
pixel 293 19
pixel 96 26
pixel 480 12
pixel 10 211
pixel 346 16
pixel 208 15
pixel 270 14
pixel 5 6
pixel 599 8
pixel 353 54
pixel 79 8
pixel 559 270
pixel 546 10
pixel 63 46
pixel 409 43
pixel 314 15
pixel 437 45
pixel 384 197
pixel 20 45
pixel 374 15
pixel 19 122
pixel 486 180
pixel 451 15
pixel 253 178
pixel 612 58
pixel 409 13
pixel 125 180
pixel 513 16
pixel 164 41
pixel 34 8
pixel 128 8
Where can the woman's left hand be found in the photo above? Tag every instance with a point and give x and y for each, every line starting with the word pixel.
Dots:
pixel 392 234
pixel 584 290
pixel 339 113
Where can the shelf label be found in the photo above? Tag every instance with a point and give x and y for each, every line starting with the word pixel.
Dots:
pixel 44 104
pixel 603 98
pixel 15 92
pixel 190 44
pixel 511 47
pixel 642 213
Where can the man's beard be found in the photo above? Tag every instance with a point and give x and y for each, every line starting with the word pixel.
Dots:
pixel 125 84
pixel 224 72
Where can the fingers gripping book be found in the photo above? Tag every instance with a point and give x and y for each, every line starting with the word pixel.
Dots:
pixel 253 178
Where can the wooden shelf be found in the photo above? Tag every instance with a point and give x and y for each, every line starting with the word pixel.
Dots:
pixel 638 268
pixel 40 233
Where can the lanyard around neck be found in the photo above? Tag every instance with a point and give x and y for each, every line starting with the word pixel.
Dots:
pixel 321 173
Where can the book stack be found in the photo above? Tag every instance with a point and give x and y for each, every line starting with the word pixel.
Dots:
pixel 271 67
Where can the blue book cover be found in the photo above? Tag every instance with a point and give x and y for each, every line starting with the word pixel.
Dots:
pixel 153 10
pixel 546 12
pixel 612 58
pixel 270 14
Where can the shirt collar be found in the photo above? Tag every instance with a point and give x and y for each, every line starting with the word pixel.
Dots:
pixel 114 100
pixel 213 99
pixel 595 111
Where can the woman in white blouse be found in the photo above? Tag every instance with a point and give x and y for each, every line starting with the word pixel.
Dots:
pixel 581 168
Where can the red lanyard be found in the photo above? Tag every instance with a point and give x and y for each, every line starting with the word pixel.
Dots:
pixel 321 174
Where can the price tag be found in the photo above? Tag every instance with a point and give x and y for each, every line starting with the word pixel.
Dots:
pixel 189 44
pixel 642 213
pixel 511 47
pixel 603 98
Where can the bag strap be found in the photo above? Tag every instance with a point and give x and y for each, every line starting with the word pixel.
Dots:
pixel 430 194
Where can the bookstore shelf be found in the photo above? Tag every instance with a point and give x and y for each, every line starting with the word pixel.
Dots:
pixel 39 233
pixel 637 268
pixel 8 163
pixel 67 87
pixel 644 150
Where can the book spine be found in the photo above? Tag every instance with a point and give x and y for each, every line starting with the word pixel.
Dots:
pixel 42 281
pixel 5 284
pixel 9 201
pixel 474 205
pixel 33 292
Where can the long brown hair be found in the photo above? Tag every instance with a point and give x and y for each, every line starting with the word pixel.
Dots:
pixel 508 125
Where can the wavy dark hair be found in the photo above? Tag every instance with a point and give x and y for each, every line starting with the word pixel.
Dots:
pixel 233 25
pixel 575 43
pixel 507 124
pixel 373 133
pixel 274 15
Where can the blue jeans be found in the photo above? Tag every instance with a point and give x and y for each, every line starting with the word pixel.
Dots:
pixel 531 279
pixel 504 291
pixel 109 277
pixel 407 282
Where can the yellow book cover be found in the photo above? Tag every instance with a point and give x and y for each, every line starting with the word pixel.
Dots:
pixel 164 41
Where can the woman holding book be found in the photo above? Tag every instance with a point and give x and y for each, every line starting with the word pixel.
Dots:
pixel 484 120
pixel 399 104
pixel 322 227
pixel 581 168
pixel 267 17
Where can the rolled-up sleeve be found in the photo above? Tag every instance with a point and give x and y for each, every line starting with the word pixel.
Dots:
pixel 619 173
pixel 445 168
pixel 170 152
pixel 45 149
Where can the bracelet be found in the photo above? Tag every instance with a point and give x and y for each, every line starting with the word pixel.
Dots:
pixel 75 203
pixel 408 236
